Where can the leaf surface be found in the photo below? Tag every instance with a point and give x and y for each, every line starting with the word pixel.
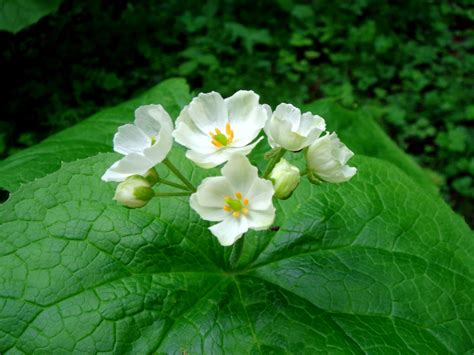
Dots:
pixel 18 14
pixel 375 265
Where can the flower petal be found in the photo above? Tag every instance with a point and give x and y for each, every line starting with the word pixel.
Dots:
pixel 311 127
pixel 151 118
pixel 229 230
pixel 208 111
pixel 158 152
pixel 220 156
pixel 130 139
pixel 288 113
pixel 326 158
pixel 280 134
pixel 207 161
pixel 131 164
pixel 240 173
pixel 344 154
pixel 212 190
pixel 212 214
pixel 164 140
pixel 246 116
pixel 260 194
pixel 339 175
pixel 262 219
pixel 189 135
pixel 310 122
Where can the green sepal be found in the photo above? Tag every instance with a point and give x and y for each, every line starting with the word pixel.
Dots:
pixel 143 193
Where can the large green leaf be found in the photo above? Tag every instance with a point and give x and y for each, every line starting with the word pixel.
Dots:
pixel 87 138
pixel 375 265
pixel 18 14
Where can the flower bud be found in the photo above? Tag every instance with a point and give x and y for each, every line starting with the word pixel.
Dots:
pixel 134 192
pixel 327 160
pixel 286 178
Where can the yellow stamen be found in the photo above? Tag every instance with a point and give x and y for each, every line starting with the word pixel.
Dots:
pixel 217 143
pixel 235 206
pixel 219 139
pixel 229 132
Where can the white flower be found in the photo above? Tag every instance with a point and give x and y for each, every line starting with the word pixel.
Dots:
pixel 213 129
pixel 286 178
pixel 289 129
pixel 327 158
pixel 134 192
pixel 144 143
pixel 238 199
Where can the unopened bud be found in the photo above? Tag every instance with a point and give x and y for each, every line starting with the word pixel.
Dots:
pixel 286 178
pixel 134 192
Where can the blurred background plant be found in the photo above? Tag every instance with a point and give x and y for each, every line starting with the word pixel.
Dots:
pixel 408 64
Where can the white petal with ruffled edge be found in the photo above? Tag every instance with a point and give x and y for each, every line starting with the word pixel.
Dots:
pixel 239 181
pixel 327 158
pixel 289 129
pixel 210 113
pixel 212 214
pixel 130 139
pixel 145 143
pixel 211 191
pixel 246 116
pixel 131 164
pixel 229 230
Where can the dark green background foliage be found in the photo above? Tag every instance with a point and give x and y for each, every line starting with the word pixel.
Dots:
pixel 407 64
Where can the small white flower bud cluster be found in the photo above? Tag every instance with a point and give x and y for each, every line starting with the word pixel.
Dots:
pixel 215 131
pixel 134 192
pixel 285 178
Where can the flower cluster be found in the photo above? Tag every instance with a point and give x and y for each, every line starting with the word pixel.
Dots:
pixel 216 131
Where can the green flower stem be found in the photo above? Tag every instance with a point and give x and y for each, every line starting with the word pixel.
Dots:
pixel 180 176
pixel 171 183
pixel 236 252
pixel 273 161
pixel 171 194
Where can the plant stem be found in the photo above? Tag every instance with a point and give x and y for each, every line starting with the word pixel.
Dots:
pixel 180 176
pixel 304 172
pixel 236 252
pixel 171 194
pixel 273 161
pixel 171 183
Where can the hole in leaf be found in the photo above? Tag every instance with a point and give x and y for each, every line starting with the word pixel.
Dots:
pixel 4 194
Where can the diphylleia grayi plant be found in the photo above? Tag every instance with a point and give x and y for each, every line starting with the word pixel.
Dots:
pixel 219 131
